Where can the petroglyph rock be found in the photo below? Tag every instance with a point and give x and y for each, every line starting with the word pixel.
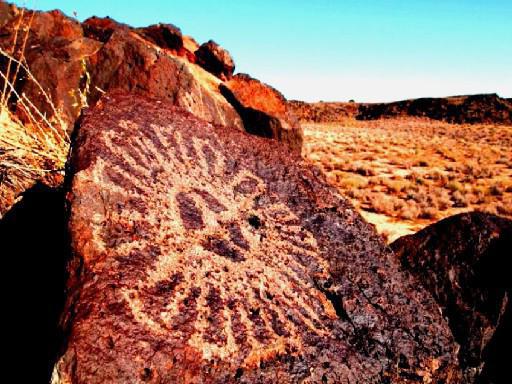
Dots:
pixel 204 255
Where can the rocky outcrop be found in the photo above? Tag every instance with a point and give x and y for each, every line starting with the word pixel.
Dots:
pixel 102 28
pixel 128 62
pixel 463 261
pixel 471 109
pixel 164 35
pixel 205 255
pixel 323 112
pixel 75 64
pixel 215 59
pixel 263 109
pixel 55 51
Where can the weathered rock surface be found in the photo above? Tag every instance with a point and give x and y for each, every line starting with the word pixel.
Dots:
pixel 164 35
pixel 128 62
pixel 205 255
pixel 101 28
pixel 263 109
pixel 215 59
pixel 464 262
pixel 56 51
pixel 75 63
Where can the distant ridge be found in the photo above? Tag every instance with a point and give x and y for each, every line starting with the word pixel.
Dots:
pixel 465 109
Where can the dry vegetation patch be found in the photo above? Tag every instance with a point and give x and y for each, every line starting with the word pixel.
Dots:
pixel 32 146
pixel 414 171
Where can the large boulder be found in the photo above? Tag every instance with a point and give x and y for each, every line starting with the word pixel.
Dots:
pixel 101 28
pixel 129 62
pixel 464 262
pixel 215 59
pixel 203 254
pixel 263 109
pixel 164 35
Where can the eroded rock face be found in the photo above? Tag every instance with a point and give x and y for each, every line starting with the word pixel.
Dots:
pixel 463 261
pixel 164 35
pixel 205 255
pixel 215 59
pixel 56 52
pixel 102 28
pixel 130 63
pixel 263 109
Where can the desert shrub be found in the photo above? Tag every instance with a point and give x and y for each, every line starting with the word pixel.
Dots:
pixel 455 186
pixel 353 181
pixel 459 199
pixel 396 185
pixel 409 211
pixel 428 213
pixel 31 145
pixel 496 190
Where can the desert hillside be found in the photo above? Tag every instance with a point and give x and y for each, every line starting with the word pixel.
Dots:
pixel 469 109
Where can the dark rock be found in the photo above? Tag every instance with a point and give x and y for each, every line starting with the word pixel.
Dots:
pixel 463 261
pixel 264 110
pixel 215 59
pixel 487 108
pixel 175 280
pixel 474 109
pixel 35 243
pixel 101 28
pixel 164 35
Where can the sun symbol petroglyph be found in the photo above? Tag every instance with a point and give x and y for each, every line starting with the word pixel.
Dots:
pixel 233 277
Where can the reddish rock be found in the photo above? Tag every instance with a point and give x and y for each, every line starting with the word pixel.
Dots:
pixel 464 262
pixel 101 28
pixel 129 62
pixel 7 12
pixel 215 59
pixel 264 110
pixel 190 43
pixel 203 254
pixel 164 35
pixel 55 53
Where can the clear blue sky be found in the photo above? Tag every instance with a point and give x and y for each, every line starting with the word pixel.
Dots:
pixel 378 50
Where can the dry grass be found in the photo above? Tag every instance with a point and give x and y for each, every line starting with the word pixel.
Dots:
pixel 32 145
pixel 412 171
